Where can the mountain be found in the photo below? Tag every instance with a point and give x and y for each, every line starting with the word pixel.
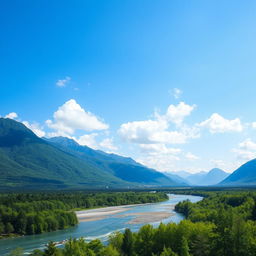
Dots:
pixel 182 174
pixel 31 162
pixel 212 177
pixel 177 178
pixel 195 178
pixel 121 167
pixel 27 161
pixel 203 178
pixel 245 175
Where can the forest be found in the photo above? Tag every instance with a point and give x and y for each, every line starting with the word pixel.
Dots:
pixel 35 213
pixel 222 224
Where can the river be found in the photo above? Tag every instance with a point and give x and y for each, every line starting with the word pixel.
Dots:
pixel 132 217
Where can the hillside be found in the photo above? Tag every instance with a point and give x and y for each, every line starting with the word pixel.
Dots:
pixel 27 161
pixel 121 167
pixel 177 178
pixel 245 175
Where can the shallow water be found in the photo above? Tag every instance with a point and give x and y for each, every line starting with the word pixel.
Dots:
pixel 97 229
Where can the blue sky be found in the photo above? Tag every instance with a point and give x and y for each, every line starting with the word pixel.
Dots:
pixel 170 83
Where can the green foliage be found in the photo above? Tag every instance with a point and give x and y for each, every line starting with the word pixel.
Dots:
pixel 184 249
pixel 35 213
pixel 222 224
pixel 127 244
pixel 168 252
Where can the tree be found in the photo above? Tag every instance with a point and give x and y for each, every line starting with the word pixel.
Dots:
pixel 184 249
pixel 144 241
pixel 51 250
pixel 95 245
pixel 1 228
pixel 127 245
pixel 8 228
pixel 168 252
pixel 116 240
pixel 109 251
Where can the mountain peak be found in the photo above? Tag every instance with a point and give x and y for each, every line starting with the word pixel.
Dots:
pixel 14 133
pixel 244 175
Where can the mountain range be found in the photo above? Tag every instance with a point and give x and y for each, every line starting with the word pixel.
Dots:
pixel 27 161
pixel 213 177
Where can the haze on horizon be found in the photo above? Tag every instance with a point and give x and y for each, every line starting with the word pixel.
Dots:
pixel 170 84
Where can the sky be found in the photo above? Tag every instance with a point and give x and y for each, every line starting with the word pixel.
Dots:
pixel 171 84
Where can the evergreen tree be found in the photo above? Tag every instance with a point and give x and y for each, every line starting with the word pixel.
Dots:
pixel 127 245
pixel 51 250
pixel 168 252
pixel 184 249
pixel 8 228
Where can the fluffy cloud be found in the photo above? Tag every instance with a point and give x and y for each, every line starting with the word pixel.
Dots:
pixel 108 144
pixel 218 124
pixel 163 158
pixel 176 114
pixel 87 140
pixel 157 130
pixel 35 127
pixel 248 144
pixel 246 150
pixel 158 156
pixel 150 132
pixel 63 82
pixel 90 141
pixel 12 115
pixel 71 117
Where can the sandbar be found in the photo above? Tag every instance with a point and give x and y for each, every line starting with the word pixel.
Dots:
pixel 146 217
pixel 101 213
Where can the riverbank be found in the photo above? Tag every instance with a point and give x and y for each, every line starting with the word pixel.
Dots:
pixel 102 228
pixel 103 212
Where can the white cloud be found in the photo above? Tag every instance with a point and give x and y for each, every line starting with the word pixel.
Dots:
pixel 157 130
pixel 63 82
pixel 71 117
pixel 141 131
pixel 246 150
pixel 150 132
pixel 176 92
pixel 35 127
pixel 191 156
pixel 254 125
pixel 87 140
pixel 218 124
pixel 244 154
pixel 12 115
pixel 248 144
pixel 176 114
pixel 107 144
pixel 158 156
